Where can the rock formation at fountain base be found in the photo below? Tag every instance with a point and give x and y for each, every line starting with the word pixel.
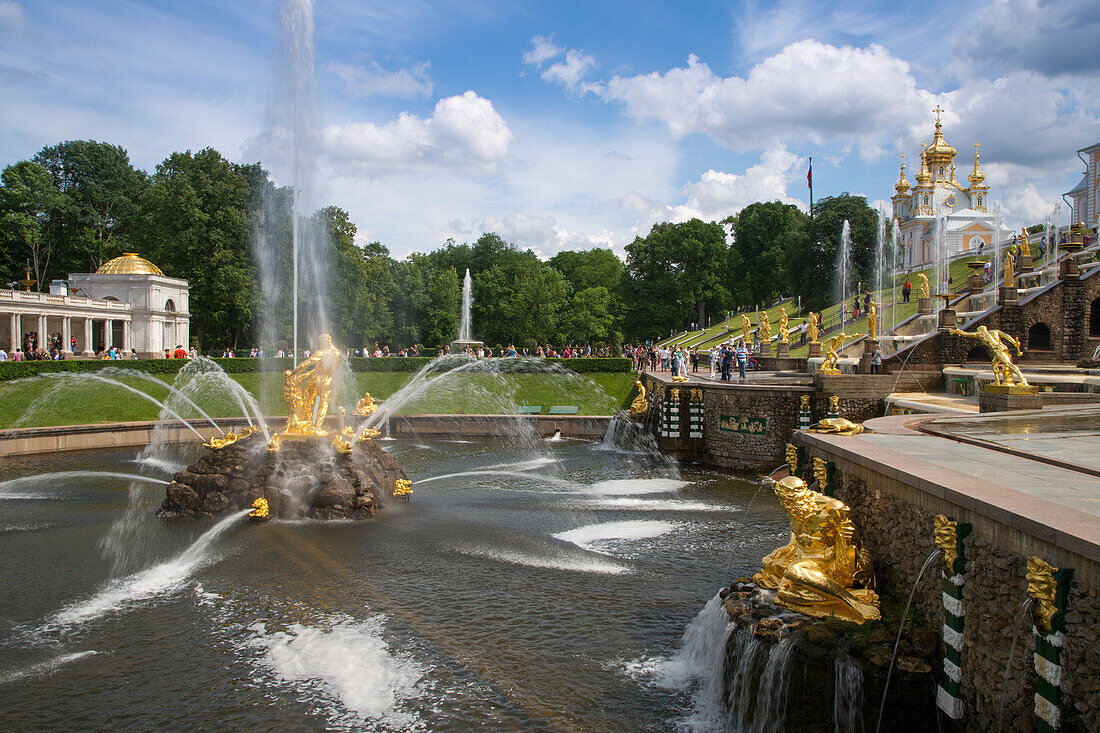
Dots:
pixel 305 478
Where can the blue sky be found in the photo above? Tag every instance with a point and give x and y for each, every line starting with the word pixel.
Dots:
pixel 568 125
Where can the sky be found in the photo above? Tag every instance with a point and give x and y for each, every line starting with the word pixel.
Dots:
pixel 564 124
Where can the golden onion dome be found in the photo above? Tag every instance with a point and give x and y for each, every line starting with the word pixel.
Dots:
pixel 129 264
pixel 923 176
pixel 902 186
pixel 976 177
pixel 939 152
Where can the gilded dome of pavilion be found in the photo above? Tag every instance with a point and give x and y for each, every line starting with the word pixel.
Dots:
pixel 939 152
pixel 129 264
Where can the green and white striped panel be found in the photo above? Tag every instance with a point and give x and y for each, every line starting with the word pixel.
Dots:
pixel 947 694
pixel 1048 665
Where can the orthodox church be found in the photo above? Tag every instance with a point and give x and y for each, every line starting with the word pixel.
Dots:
pixel 969 222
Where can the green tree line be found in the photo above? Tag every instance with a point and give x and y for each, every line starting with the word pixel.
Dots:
pixel 198 216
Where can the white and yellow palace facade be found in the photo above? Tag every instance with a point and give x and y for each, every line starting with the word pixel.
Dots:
pixel 936 192
pixel 127 303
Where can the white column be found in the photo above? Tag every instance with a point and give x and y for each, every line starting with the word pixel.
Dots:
pixel 126 337
pixel 107 334
pixel 66 331
pixel 88 336
pixel 43 337
pixel 16 337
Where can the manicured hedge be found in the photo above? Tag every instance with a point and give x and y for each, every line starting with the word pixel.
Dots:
pixel 20 369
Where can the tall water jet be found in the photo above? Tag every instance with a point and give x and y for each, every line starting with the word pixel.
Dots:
pixel 942 284
pixel 880 255
pixel 465 329
pixel 844 267
pixel 293 144
pixel 998 261
pixel 899 252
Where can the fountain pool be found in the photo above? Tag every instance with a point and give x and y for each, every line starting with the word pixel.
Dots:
pixel 490 600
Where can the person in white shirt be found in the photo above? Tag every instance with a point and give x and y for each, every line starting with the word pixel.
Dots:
pixel 3 355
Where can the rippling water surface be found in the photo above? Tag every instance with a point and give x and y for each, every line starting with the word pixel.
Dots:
pixel 530 595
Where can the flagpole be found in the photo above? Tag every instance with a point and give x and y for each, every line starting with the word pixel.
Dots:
pixel 810 181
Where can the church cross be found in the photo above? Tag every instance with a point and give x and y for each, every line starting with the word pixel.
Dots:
pixel 938 110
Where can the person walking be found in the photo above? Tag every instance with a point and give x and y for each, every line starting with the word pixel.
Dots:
pixel 727 363
pixel 742 360
pixel 876 361
pixel 695 360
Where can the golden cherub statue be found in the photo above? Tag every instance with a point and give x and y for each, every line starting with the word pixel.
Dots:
pixel 764 327
pixel 745 327
pixel 1004 371
pixel 1025 245
pixel 872 320
pixel 365 407
pixel 308 388
pixel 813 320
pixel 640 404
pixel 824 570
pixel 832 359
pixel 923 284
pixel 784 332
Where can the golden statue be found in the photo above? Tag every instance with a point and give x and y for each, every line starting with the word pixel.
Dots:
pixel 259 509
pixel 1042 587
pixel 230 438
pixel 923 280
pixel 402 488
pixel 804 403
pixel 791 454
pixel 821 473
pixel 812 322
pixel 872 320
pixel 1010 274
pixel 308 388
pixel 824 570
pixel 1005 373
pixel 1025 244
pixel 837 426
pixel 945 536
pixel 365 407
pixel 784 332
pixel 834 404
pixel 764 328
pixel 640 404
pixel 832 360
pixel 745 327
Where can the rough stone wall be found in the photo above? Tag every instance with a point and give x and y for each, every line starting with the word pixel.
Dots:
pixel 778 407
pixel 899 537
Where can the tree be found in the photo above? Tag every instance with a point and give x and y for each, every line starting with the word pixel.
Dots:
pixel 589 317
pixel 96 216
pixel 27 196
pixel 765 236
pixel 673 275
pixel 593 268
pixel 196 225
pixel 444 304
pixel 829 215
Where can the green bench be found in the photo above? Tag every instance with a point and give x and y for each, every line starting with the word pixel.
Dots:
pixel 562 410
pixel 961 385
pixel 528 409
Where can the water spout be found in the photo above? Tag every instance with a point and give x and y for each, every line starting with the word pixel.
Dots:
pixel 901 627
pixel 1024 608
pixel 464 327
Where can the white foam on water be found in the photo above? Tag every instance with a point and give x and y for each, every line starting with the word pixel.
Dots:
pixel 48 667
pixel 164 578
pixel 656 505
pixel 344 666
pixel 550 561
pixel 591 536
pixel 159 463
pixel 635 486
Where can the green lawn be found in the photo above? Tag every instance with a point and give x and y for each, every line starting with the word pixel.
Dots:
pixel 74 400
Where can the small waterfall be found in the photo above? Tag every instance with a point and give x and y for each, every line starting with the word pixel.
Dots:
pixel 758 691
pixel 699 665
pixel 848 696
pixel 628 436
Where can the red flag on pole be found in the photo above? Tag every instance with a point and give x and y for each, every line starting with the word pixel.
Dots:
pixel 810 174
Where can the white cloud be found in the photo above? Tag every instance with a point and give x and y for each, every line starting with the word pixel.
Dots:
pixel 571 72
pixel 810 91
pixel 542 50
pixel 465 133
pixel 12 18
pixel 374 80
pixel 1050 37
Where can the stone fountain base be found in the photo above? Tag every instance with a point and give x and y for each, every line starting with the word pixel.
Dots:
pixel 306 478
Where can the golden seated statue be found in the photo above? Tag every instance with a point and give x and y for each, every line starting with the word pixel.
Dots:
pixel 824 570
pixel 365 407
pixel 640 404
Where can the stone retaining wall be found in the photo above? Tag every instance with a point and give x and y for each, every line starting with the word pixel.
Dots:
pixel 895 520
